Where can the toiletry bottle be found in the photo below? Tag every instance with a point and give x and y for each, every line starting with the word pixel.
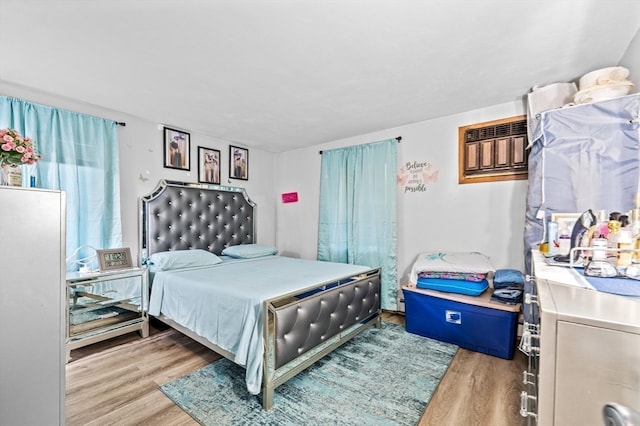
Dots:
pixel 564 240
pixel 552 238
pixel 612 239
pixel 625 245
pixel 634 228
pixel 598 266
pixel 601 228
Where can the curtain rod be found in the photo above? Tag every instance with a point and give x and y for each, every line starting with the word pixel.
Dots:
pixel 398 139
pixel 121 123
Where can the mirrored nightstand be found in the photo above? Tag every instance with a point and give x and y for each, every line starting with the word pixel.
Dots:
pixel 106 304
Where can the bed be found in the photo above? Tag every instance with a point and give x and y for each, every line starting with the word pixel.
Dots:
pixel 271 314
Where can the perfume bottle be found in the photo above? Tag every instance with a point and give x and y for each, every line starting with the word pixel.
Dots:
pixel 599 266
pixel 601 228
pixel 625 246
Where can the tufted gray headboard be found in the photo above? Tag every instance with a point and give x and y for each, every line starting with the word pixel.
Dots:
pixel 181 216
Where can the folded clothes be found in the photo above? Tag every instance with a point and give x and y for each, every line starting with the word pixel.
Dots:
pixel 507 277
pixel 509 295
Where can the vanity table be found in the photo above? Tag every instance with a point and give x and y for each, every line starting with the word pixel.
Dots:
pixel 583 347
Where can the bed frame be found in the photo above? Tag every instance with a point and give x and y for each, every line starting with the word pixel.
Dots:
pixel 300 327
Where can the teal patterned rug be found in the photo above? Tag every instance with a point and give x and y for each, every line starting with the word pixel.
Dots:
pixel 383 376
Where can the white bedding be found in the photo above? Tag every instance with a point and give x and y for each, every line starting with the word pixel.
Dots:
pixel 223 303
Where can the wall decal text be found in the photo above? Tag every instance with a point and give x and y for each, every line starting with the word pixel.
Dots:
pixel 416 176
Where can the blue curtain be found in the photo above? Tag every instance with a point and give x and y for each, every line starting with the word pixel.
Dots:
pixel 357 221
pixel 80 157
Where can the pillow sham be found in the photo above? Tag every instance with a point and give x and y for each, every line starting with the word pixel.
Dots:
pixel 248 251
pixel 178 259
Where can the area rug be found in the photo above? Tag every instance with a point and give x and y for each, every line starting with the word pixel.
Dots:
pixel 383 376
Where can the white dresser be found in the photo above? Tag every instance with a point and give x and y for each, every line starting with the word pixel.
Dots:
pixel 588 352
pixel 32 306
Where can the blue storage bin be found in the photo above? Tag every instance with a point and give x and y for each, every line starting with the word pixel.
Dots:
pixel 476 324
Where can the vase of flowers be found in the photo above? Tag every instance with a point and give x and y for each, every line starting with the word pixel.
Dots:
pixel 15 150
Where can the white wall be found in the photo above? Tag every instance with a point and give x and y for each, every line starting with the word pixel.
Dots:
pixel 141 154
pixel 484 217
pixel 631 61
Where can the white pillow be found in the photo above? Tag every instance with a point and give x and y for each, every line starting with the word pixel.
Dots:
pixel 178 259
pixel 248 251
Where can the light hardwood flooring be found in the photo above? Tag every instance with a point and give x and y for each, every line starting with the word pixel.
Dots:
pixel 115 382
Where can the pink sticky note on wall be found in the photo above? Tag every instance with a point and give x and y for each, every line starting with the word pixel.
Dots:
pixel 290 197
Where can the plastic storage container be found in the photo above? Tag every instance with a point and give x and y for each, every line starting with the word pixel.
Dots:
pixel 474 323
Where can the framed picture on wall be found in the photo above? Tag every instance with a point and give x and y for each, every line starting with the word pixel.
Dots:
pixel 208 165
pixel 238 163
pixel 176 149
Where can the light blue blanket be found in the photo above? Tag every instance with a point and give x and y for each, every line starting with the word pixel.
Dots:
pixel 223 303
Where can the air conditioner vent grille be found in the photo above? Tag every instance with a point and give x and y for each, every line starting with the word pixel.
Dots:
pixel 494 150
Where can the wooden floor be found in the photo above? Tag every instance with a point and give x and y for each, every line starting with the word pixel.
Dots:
pixel 116 383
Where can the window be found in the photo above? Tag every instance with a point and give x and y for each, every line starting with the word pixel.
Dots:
pixel 493 151
pixel 80 157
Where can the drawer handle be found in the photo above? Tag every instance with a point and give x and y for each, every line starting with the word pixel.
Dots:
pixel 524 405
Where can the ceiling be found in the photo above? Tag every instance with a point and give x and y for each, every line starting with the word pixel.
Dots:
pixel 280 75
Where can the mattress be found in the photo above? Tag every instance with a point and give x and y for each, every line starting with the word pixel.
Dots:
pixel 223 303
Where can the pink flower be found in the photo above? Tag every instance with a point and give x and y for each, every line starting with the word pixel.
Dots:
pixel 17 149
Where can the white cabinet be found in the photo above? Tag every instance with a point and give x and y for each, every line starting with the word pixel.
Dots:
pixel 32 306
pixel 589 349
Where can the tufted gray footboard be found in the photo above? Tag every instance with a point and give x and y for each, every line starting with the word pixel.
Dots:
pixel 300 330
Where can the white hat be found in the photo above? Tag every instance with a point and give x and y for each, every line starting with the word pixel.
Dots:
pixel 602 84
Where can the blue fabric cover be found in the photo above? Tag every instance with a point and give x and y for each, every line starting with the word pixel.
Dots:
pixel 620 286
pixel 582 157
pixel 470 288
pixel 178 259
pixel 249 251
